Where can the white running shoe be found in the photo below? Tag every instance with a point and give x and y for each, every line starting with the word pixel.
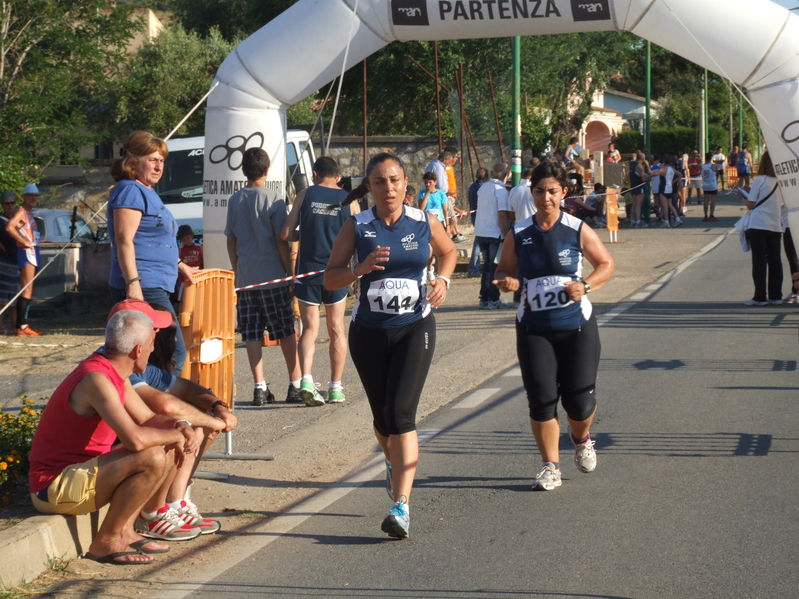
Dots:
pixel 166 526
pixel 584 454
pixel 547 479
pixel 752 302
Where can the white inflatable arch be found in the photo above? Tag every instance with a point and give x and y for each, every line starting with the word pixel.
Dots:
pixel 755 43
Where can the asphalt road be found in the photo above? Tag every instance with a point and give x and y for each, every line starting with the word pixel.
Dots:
pixel 694 494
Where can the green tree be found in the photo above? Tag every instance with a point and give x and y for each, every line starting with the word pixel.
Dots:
pixel 233 18
pixel 164 81
pixel 562 72
pixel 56 61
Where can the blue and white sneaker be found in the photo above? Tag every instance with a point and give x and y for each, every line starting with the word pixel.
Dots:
pixel 398 521
pixel 389 481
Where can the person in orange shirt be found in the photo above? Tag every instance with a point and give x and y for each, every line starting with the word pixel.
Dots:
pixel 452 198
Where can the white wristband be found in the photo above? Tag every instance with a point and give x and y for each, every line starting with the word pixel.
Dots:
pixel 352 270
pixel 445 279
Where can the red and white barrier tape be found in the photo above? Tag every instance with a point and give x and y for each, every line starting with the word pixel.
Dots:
pixel 283 280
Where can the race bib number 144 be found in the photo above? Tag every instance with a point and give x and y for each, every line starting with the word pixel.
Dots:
pixel 393 296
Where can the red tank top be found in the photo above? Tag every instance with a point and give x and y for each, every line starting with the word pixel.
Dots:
pixel 64 437
pixel 694 167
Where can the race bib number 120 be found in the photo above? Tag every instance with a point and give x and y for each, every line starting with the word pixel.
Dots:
pixel 393 296
pixel 548 293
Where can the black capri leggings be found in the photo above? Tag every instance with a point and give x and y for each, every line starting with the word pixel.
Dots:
pixel 393 366
pixel 559 363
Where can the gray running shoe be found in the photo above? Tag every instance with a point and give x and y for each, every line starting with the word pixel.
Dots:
pixel 584 454
pixel 548 479
pixel 498 305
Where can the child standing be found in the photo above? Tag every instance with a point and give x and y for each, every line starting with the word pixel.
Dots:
pixel 189 252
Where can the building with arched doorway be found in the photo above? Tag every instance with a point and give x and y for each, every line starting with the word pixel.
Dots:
pixel 612 111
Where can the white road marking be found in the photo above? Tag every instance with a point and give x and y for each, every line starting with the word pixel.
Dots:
pixel 475 399
pixel 516 371
pixel 260 536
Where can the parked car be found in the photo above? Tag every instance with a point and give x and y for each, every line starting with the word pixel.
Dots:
pixel 54 226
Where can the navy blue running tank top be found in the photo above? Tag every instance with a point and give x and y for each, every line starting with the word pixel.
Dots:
pixel 318 229
pixel 396 296
pixel 547 260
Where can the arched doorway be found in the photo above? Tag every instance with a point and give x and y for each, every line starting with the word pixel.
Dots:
pixel 597 137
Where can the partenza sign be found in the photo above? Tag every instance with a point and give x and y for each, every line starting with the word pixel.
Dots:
pixel 418 12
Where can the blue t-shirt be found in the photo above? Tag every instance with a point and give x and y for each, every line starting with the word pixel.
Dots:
pixel 435 203
pixel 153 377
pixel 547 260
pixel 318 229
pixel 396 296
pixel 154 242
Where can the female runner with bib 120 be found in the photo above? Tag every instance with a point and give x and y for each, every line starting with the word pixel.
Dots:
pixel 393 332
pixel 557 339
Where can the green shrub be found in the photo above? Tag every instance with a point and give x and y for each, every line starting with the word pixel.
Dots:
pixel 628 141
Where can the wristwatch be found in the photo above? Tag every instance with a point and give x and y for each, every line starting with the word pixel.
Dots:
pixel 587 287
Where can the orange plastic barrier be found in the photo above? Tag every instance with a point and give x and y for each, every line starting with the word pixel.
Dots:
pixel 612 213
pixel 732 175
pixel 208 320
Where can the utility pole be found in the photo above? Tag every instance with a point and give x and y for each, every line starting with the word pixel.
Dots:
pixel 706 117
pixel 648 120
pixel 516 153
pixel 741 122
pixel 702 130
pixel 731 127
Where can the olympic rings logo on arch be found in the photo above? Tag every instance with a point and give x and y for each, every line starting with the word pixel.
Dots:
pixel 233 151
pixel 784 134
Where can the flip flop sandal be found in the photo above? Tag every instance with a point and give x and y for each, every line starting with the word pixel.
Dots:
pixel 111 558
pixel 140 547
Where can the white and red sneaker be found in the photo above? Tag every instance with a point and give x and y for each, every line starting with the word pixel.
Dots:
pixel 188 513
pixel 166 526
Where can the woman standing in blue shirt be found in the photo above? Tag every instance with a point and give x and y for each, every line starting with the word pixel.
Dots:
pixel 144 258
pixel 556 331
pixel 392 333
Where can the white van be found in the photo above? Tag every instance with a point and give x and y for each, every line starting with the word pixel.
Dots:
pixel 181 185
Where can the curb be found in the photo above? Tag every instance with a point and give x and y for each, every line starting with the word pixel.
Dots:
pixel 43 537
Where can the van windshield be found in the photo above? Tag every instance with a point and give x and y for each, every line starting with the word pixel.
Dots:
pixel 182 180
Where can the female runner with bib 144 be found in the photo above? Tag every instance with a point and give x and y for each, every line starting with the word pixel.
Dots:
pixel 393 332
pixel 557 339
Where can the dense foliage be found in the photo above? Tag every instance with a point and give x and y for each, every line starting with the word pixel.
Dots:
pixel 57 60
pixel 164 81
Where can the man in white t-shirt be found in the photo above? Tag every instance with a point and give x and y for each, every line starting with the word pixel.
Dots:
pixel 490 227
pixel 520 198
pixel 719 159
pixel 710 187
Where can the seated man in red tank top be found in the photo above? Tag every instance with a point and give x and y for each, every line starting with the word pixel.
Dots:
pixel 75 467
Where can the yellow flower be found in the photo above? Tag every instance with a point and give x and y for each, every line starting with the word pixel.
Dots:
pixel 3 466
pixel 10 459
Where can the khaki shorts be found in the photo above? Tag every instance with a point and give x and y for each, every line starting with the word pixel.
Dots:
pixel 71 493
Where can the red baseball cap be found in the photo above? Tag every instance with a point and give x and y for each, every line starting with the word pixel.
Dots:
pixel 160 318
